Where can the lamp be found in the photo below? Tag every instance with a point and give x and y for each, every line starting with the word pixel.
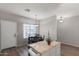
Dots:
pixel 37 23
pixel 61 19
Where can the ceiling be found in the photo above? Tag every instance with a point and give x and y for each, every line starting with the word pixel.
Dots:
pixel 68 9
pixel 42 10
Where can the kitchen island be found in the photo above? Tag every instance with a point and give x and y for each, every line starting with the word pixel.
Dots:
pixel 43 49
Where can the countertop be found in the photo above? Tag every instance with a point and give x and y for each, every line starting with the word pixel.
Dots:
pixel 42 46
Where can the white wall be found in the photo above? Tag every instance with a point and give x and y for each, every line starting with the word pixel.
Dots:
pixel 49 24
pixel 68 31
pixel 0 36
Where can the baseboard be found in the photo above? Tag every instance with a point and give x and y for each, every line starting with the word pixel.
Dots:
pixel 21 45
pixel 0 50
pixel 70 44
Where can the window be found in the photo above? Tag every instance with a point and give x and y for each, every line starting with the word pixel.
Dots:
pixel 29 30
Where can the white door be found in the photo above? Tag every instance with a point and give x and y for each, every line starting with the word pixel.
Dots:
pixel 8 34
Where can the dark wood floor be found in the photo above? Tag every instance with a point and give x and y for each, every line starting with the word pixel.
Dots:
pixel 18 51
pixel 66 50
